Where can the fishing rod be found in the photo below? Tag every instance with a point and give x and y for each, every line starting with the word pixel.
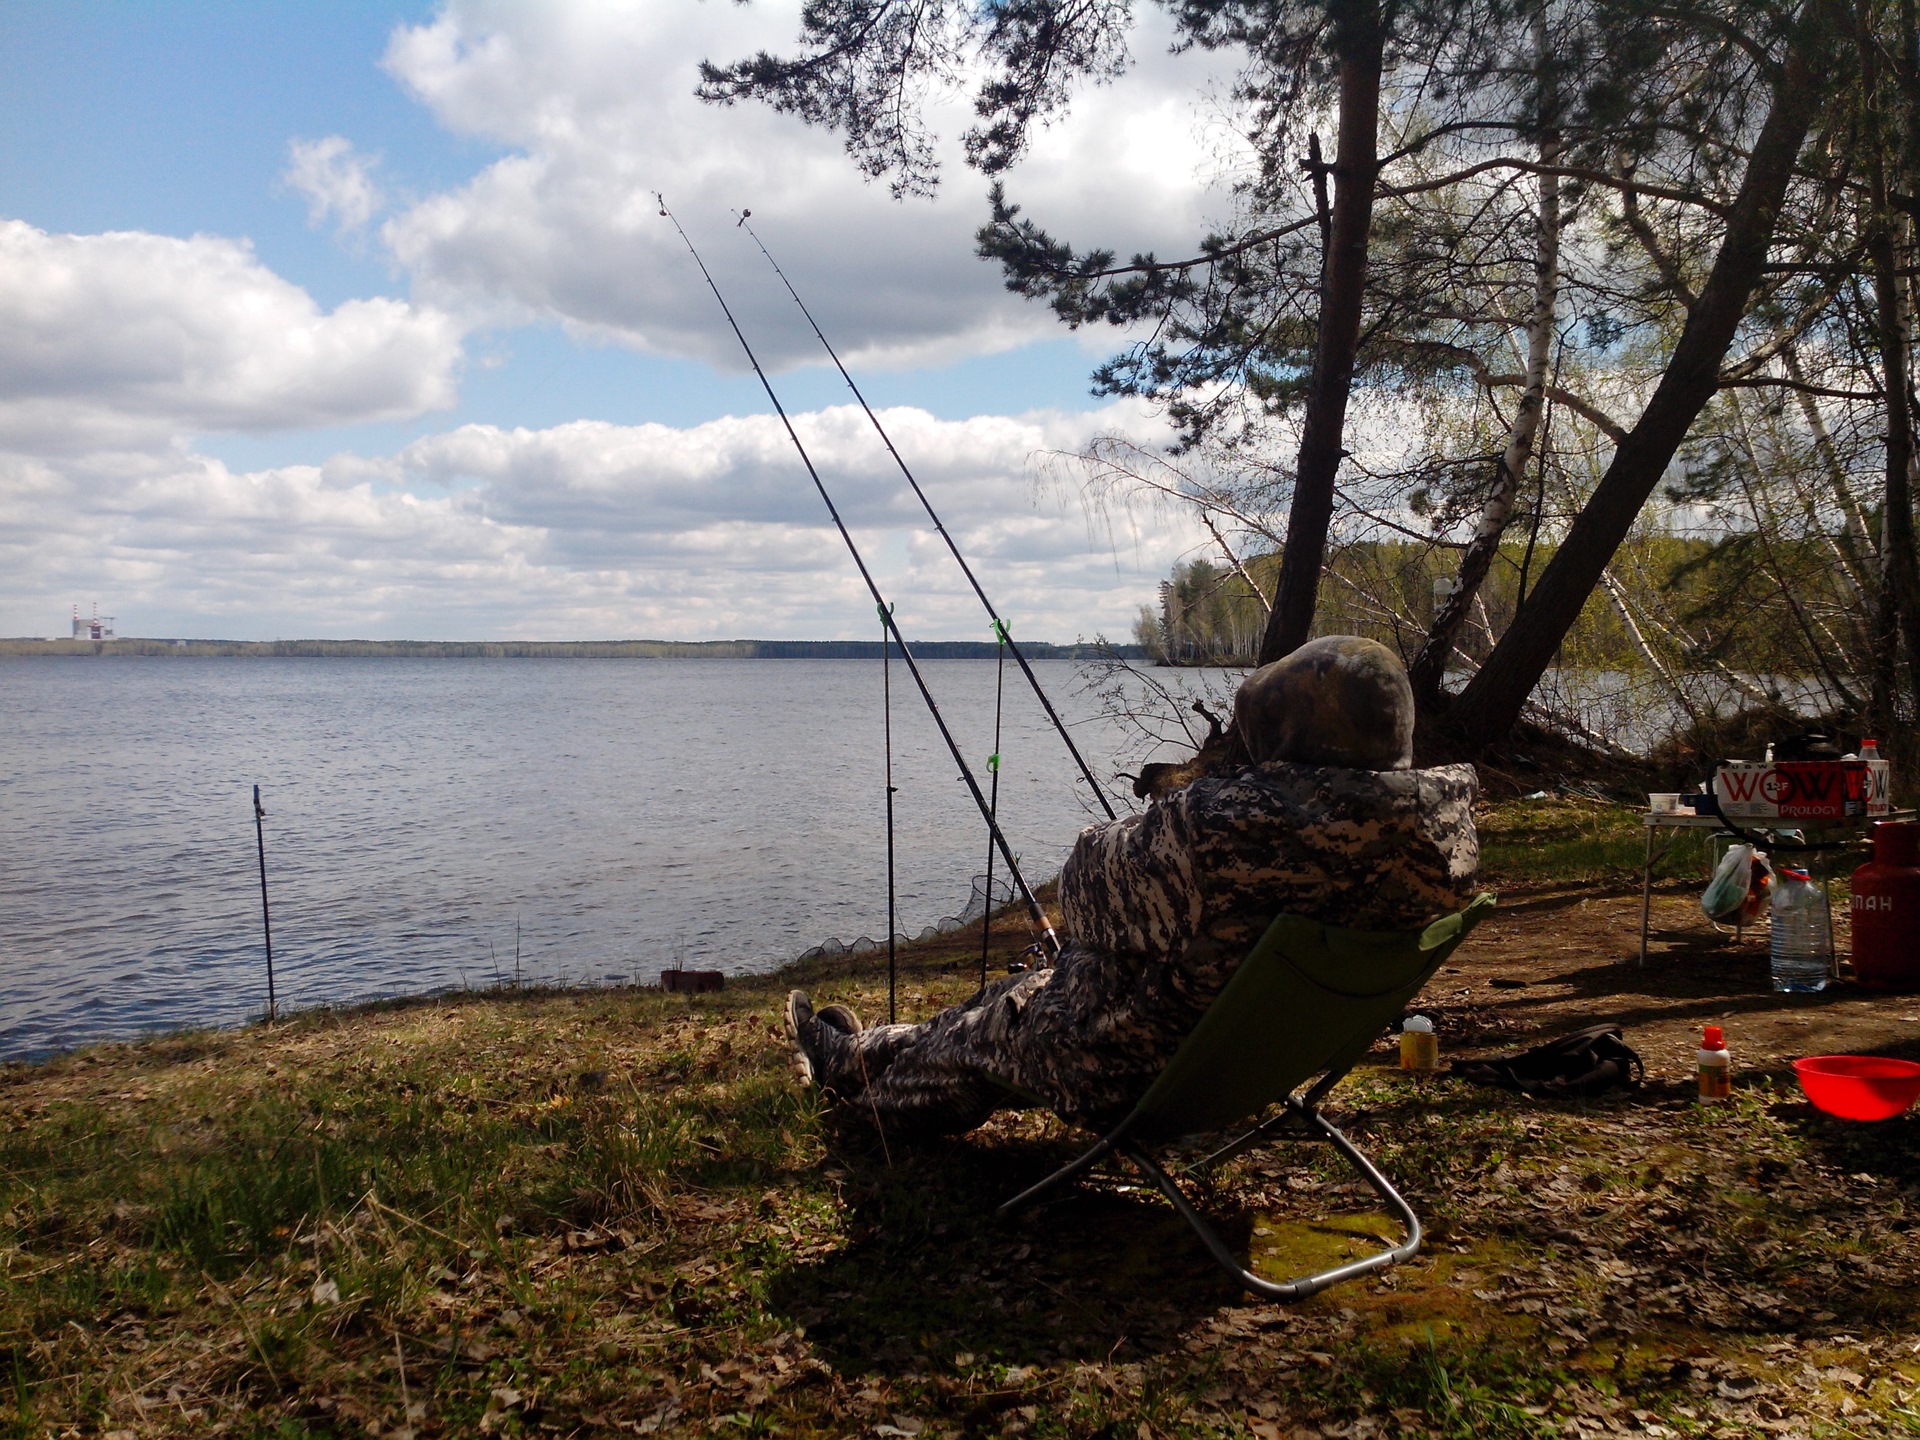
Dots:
pixel 1047 937
pixel 1000 625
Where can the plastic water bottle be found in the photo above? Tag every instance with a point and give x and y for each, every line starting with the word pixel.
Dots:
pixel 1800 939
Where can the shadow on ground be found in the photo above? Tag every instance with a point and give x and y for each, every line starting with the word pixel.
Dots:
pixel 1104 1272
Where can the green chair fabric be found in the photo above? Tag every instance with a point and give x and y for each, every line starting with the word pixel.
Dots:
pixel 1308 1000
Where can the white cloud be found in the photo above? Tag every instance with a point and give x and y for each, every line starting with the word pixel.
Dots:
pixel 116 348
pixel 127 339
pixel 634 497
pixel 589 472
pixel 336 179
pixel 581 531
pixel 596 104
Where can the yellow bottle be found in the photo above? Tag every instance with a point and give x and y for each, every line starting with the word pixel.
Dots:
pixel 1419 1046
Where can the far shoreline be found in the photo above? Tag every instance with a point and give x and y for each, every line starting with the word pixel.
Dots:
pixel 552 649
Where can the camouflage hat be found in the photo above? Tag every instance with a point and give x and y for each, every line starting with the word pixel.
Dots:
pixel 1339 700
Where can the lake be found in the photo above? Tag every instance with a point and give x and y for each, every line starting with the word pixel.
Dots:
pixel 426 818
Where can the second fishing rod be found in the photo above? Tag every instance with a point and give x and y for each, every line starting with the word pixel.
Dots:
pixel 1048 938
pixel 1001 629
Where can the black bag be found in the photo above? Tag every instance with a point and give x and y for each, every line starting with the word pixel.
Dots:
pixel 1586 1063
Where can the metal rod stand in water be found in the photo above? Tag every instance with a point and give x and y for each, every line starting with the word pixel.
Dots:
pixel 993 800
pixel 266 920
pixel 1047 937
pixel 1086 772
pixel 886 710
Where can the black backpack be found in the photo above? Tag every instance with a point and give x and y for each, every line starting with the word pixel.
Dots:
pixel 1586 1063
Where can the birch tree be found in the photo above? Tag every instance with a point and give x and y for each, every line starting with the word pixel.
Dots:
pixel 1429 667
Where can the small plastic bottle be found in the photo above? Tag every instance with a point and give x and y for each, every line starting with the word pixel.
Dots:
pixel 1869 749
pixel 1800 940
pixel 1716 1066
pixel 1419 1046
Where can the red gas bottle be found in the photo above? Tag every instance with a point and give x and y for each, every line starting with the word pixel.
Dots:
pixel 1886 909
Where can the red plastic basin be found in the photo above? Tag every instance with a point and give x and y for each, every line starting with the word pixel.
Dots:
pixel 1859 1087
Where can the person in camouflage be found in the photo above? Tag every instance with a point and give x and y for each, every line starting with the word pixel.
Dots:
pixel 1322 816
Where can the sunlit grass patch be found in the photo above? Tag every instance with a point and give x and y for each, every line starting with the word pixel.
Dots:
pixel 1563 837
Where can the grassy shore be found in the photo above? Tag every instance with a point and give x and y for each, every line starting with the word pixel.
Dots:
pixel 616 1213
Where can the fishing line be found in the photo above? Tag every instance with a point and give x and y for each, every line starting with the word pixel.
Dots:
pixel 1099 793
pixel 1045 926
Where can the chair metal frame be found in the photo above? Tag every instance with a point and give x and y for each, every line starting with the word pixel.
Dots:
pixel 1299 1114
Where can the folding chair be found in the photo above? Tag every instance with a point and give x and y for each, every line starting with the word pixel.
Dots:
pixel 1308 1000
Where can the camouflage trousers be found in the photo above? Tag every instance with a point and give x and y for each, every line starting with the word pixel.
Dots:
pixel 1084 1038
pixel 1159 909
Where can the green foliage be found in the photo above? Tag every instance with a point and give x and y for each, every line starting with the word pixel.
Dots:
pixel 872 61
pixel 1207 616
pixel 1703 607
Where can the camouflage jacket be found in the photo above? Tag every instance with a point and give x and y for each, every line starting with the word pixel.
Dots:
pixel 1365 849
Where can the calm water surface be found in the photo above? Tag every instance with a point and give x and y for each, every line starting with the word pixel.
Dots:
pixel 617 815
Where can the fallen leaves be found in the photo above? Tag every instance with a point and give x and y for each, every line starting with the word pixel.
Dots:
pixel 501 1400
pixel 1641 1267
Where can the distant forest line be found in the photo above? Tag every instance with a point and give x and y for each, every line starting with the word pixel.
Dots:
pixel 550 649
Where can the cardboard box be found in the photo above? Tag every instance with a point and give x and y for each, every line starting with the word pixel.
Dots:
pixel 1803 789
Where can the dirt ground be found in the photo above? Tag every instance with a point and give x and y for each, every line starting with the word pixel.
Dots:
pixel 1557 956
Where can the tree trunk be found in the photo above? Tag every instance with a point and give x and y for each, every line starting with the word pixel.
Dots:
pixel 1492 700
pixel 1896 613
pixel 1360 41
pixel 1429 668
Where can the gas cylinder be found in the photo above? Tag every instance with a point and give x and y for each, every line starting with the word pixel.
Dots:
pixel 1886 909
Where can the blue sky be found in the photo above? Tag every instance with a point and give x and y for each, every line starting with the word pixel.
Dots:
pixel 234 356
pixel 175 118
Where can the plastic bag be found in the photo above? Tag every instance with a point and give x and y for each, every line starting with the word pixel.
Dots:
pixel 1726 893
pixel 1759 889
